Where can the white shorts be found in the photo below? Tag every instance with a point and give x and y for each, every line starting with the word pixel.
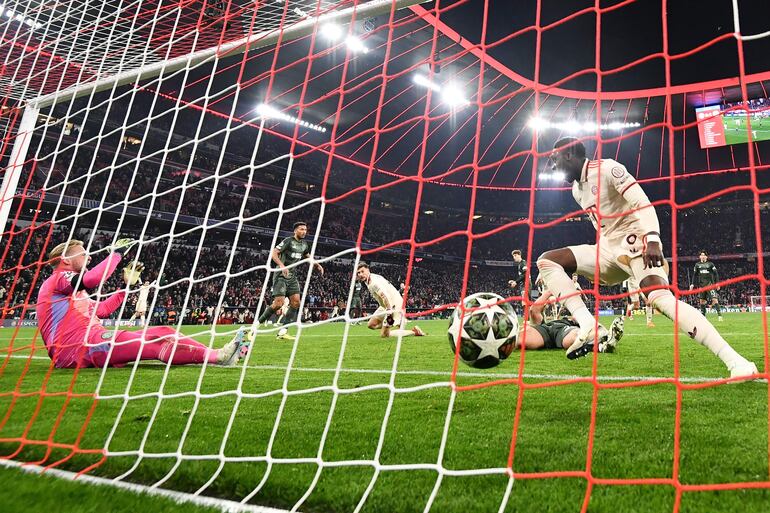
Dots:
pixel 618 260
pixel 381 314
pixel 140 308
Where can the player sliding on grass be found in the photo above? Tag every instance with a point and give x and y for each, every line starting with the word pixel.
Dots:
pixel 390 312
pixel 73 334
pixel 559 333
pixel 629 245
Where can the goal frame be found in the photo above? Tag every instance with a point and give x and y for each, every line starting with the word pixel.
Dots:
pixel 33 106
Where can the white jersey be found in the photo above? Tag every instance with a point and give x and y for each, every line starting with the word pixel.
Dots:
pixel 384 293
pixel 630 285
pixel 141 303
pixel 609 179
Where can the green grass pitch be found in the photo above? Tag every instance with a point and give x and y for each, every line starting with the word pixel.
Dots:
pixel 737 133
pixel 723 436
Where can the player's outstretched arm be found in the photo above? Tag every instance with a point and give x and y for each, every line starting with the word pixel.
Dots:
pixel 93 277
pixel 132 273
pixel 536 310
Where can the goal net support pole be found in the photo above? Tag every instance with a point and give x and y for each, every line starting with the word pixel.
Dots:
pixel 16 162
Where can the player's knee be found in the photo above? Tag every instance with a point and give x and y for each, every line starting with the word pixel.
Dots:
pixel 554 258
pixel 547 260
pixel 294 304
pixel 657 295
pixel 652 283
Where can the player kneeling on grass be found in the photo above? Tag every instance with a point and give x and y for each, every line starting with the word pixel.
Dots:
pixel 390 311
pixel 559 333
pixel 70 323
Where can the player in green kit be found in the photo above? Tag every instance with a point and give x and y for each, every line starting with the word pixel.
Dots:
pixel 285 283
pixel 357 301
pixel 705 274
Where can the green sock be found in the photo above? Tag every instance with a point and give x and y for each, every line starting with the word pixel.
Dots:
pixel 266 314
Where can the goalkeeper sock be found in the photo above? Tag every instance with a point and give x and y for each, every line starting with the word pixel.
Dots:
pixel 719 310
pixel 266 314
pixel 648 311
pixel 561 286
pixel 703 309
pixel 696 326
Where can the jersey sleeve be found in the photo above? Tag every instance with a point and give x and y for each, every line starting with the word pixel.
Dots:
pixel 626 185
pixel 619 178
pixel 63 283
pixel 281 245
pixel 102 272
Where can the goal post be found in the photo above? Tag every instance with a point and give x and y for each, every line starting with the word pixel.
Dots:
pixel 213 132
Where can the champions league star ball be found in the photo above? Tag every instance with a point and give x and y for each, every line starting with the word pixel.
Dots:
pixel 487 334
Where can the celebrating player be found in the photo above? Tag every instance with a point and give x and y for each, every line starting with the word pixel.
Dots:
pixel 390 312
pixel 141 303
pixel 629 246
pixel 285 283
pixel 704 275
pixel 74 336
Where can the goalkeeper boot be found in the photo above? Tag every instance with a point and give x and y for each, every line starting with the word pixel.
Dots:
pixel 616 333
pixel 743 369
pixel 233 351
pixel 585 342
pixel 418 332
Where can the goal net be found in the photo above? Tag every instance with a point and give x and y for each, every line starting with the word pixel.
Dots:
pixel 410 136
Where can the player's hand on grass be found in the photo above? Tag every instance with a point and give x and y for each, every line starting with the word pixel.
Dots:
pixel 132 273
pixel 123 245
pixel 653 255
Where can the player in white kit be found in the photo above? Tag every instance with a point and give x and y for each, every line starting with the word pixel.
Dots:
pixel 390 313
pixel 629 245
pixel 141 303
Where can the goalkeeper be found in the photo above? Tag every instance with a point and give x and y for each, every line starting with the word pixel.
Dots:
pixel 70 324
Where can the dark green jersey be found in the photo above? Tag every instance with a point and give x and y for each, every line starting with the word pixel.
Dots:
pixel 358 290
pixel 292 250
pixel 519 272
pixel 705 273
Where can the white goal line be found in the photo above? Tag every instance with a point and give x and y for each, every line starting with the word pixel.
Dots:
pixel 178 497
pixel 388 372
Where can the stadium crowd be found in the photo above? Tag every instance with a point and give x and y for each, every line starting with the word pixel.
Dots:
pixel 215 282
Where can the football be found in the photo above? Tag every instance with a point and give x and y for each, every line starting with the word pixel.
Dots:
pixel 486 331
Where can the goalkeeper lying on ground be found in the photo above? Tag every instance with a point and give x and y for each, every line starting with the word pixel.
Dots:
pixel 70 324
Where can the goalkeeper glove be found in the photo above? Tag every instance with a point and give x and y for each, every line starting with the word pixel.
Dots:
pixel 132 273
pixel 123 245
